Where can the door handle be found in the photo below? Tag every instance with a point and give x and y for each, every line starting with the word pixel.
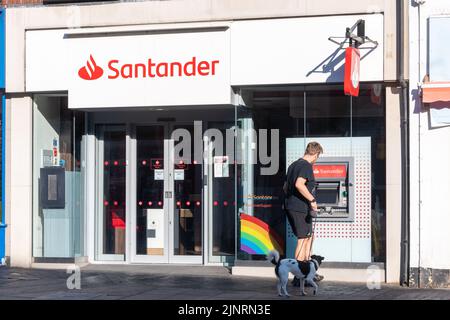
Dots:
pixel 168 194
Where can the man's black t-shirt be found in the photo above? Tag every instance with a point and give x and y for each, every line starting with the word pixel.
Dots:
pixel 294 200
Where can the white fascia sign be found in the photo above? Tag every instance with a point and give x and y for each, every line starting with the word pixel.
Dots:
pixel 150 69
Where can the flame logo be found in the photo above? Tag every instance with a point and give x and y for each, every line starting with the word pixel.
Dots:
pixel 91 71
pixel 355 77
pixel 355 72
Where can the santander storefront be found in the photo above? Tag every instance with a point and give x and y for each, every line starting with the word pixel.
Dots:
pixel 128 111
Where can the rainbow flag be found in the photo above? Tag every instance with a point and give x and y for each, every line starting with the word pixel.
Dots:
pixel 257 237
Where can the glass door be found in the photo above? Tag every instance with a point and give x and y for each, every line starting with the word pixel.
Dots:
pixel 166 196
pixel 149 188
pixel 219 194
pixel 111 192
pixel 158 200
pixel 186 242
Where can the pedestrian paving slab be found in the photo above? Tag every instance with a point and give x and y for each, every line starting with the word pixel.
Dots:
pixel 101 282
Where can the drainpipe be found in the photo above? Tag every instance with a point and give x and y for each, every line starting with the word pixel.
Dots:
pixel 404 119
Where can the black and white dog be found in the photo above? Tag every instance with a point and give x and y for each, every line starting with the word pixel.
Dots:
pixel 304 270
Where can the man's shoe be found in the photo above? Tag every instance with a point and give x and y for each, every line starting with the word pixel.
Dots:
pixel 318 278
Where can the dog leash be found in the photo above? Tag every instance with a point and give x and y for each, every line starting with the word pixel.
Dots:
pixel 312 234
pixel 296 257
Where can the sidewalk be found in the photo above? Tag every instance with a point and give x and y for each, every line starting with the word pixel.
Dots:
pixel 180 283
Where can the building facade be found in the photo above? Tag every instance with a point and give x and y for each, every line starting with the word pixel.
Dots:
pixel 429 151
pixel 161 131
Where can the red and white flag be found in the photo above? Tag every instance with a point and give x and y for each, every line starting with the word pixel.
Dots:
pixel 351 76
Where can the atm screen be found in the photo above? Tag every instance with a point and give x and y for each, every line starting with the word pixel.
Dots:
pixel 327 194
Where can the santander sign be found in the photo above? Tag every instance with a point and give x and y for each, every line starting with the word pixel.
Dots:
pixel 91 71
pixel 149 69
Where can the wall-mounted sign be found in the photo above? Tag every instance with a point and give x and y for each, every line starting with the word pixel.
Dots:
pixel 149 67
pixel 47 158
pixel 55 56
pixel 159 174
pixel 352 75
pixel 178 174
pixel 329 171
pixel 55 155
pixel 221 169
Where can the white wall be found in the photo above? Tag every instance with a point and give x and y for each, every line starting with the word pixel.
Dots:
pixel 297 50
pixel 7 195
pixel 430 157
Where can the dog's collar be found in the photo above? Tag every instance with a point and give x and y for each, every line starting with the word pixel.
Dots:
pixel 316 264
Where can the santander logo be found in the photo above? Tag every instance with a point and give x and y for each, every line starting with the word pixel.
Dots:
pixel 91 71
pixel 149 68
pixel 355 76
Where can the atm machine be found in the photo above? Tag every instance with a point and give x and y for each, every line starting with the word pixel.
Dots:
pixel 342 229
pixel 334 188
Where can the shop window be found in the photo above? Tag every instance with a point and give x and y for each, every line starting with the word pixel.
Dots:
pixel 369 118
pixel 58 206
pixel 351 130
pixel 327 113
pixel 259 192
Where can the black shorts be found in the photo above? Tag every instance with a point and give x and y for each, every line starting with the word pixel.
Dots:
pixel 301 223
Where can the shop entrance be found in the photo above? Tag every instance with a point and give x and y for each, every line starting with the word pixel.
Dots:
pixel 148 196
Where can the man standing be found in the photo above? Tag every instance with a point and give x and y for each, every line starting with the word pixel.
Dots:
pixel 300 188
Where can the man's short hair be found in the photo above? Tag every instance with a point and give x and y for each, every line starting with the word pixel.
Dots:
pixel 313 148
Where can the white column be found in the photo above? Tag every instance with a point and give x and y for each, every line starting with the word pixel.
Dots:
pixel 6 196
pixel 20 179
pixel 393 185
